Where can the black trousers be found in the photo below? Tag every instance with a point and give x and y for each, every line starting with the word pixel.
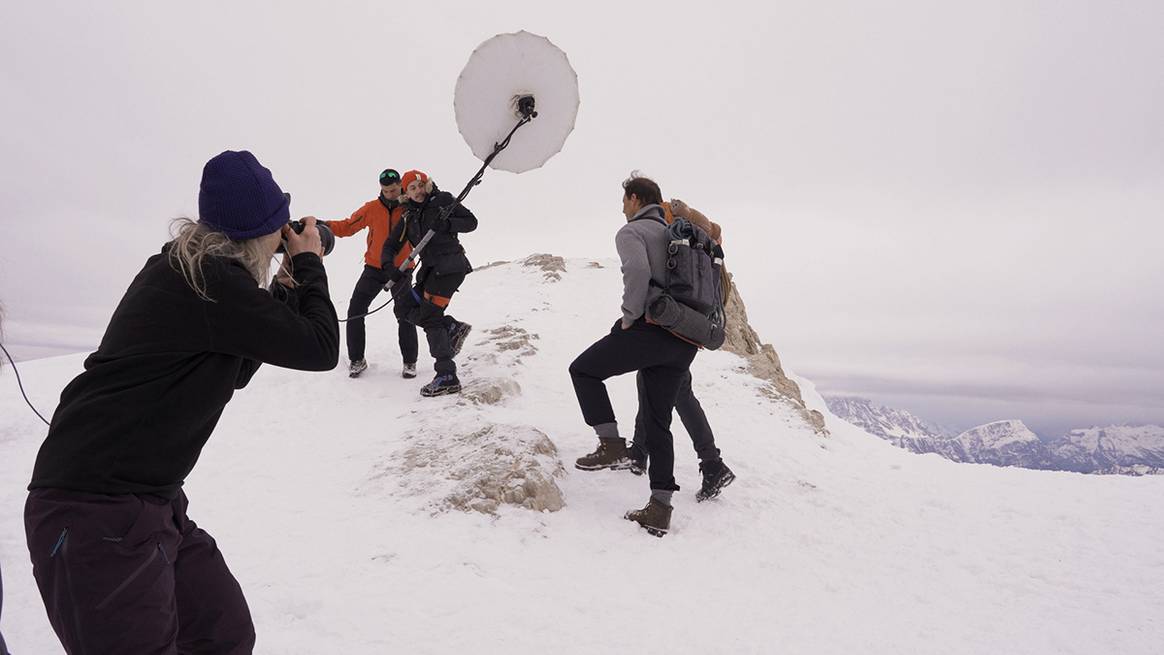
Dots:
pixel 415 309
pixel 133 574
pixel 370 284
pixel 690 413
pixel 663 361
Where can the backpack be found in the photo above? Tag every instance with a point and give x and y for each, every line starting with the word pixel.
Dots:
pixel 691 305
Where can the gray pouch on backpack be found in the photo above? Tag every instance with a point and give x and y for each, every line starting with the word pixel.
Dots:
pixel 686 323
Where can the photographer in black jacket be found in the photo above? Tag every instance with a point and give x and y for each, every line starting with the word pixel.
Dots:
pixel 442 271
pixel 119 564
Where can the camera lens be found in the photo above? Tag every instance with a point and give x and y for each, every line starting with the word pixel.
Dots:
pixel 326 236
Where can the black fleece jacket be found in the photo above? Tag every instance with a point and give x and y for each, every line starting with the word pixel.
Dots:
pixel 137 418
pixel 444 253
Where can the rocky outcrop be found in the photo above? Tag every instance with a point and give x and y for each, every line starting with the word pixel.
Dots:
pixel 507 345
pixel 763 362
pixel 490 391
pixel 551 266
pixel 482 470
pixel 512 338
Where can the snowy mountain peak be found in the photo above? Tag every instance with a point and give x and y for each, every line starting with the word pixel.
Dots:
pixel 998 434
pixel 885 422
pixel 1123 449
pixel 1113 449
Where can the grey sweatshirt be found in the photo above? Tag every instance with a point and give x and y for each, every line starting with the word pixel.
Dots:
pixel 642 247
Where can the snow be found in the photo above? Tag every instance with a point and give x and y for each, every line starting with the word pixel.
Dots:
pixel 844 544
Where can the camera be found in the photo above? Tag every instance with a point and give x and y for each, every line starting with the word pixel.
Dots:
pixel 326 237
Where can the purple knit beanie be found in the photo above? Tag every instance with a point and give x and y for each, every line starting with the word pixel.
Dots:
pixel 239 198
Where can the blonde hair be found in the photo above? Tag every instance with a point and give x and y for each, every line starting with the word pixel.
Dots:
pixel 194 242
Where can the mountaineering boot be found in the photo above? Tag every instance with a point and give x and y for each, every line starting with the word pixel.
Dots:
pixel 357 367
pixel 458 332
pixel 655 517
pixel 638 460
pixel 409 371
pixel 611 454
pixel 716 476
pixel 441 385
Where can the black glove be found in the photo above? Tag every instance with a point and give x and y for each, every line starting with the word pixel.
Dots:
pixel 441 224
pixel 396 275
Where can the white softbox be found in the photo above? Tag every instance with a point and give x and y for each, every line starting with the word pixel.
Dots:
pixel 501 70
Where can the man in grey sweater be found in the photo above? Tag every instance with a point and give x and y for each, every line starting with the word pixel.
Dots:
pixel 636 345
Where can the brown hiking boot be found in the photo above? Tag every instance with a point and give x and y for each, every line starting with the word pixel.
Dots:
pixel 611 454
pixel 655 517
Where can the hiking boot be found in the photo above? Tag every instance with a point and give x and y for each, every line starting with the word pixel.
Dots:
pixel 611 454
pixel 638 460
pixel 358 366
pixel 409 371
pixel 441 385
pixel 458 332
pixel 716 476
pixel 655 517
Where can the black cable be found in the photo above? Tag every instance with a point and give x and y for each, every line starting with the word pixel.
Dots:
pixel 21 384
pixel 345 320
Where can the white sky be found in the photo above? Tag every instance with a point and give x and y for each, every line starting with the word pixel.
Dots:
pixel 953 207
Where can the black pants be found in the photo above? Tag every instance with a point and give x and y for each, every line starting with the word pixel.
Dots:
pixel 370 284
pixel 417 310
pixel 663 361
pixel 133 574
pixel 690 413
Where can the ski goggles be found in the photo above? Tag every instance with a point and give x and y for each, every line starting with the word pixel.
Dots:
pixel 388 177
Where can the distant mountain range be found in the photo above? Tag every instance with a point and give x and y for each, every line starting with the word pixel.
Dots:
pixel 1117 449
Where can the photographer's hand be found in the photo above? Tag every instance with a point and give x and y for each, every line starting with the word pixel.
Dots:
pixel 307 241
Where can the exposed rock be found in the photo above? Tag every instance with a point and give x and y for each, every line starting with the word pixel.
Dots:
pixel 763 362
pixel 483 470
pixel 490 391
pixel 595 265
pixel 551 265
pixel 511 337
pixel 510 345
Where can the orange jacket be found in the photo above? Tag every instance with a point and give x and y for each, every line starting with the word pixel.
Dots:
pixel 379 221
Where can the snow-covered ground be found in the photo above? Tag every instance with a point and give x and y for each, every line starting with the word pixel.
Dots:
pixel 335 502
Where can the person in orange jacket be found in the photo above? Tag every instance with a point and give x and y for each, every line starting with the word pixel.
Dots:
pixel 379 216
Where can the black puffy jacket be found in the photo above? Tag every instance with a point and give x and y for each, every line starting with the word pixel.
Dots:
pixel 444 253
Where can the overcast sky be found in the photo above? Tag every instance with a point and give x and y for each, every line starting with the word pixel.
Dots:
pixel 952 207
